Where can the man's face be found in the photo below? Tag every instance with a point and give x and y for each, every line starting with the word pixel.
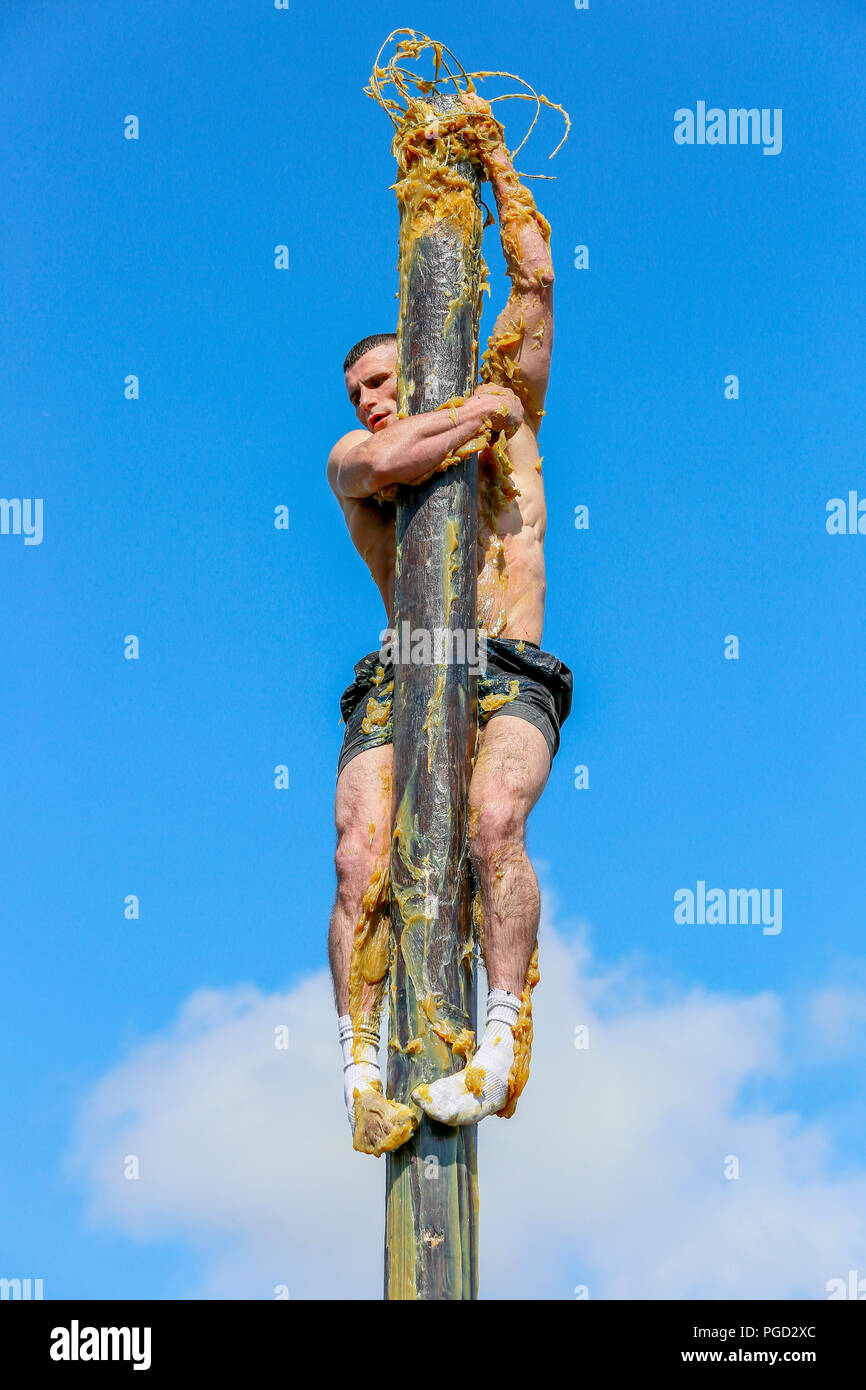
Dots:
pixel 372 387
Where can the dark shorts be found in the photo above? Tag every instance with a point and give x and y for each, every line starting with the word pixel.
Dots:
pixel 541 695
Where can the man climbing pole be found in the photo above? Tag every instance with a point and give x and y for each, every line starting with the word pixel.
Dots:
pixel 524 693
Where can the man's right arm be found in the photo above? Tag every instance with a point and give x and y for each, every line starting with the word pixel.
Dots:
pixel 409 450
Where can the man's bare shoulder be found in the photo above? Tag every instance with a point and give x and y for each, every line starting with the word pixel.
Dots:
pixel 342 447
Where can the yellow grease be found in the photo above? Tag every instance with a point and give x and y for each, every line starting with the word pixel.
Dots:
pixel 434 713
pixel 500 360
pixel 492 581
pixel 462 1043
pixel 381 1125
pixel 376 717
pixel 420 209
pixel 416 907
pixel 477 906
pixel 452 561
pixel 430 189
pixel 519 1073
pixel 370 948
pixel 427 145
pixel 433 193
pixel 492 702
pixel 474 1080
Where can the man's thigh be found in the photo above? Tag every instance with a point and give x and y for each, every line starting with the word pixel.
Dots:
pixel 512 766
pixel 362 803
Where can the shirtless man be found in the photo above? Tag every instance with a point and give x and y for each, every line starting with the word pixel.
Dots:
pixel 518 738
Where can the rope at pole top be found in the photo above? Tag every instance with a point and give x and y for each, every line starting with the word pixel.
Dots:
pixel 402 79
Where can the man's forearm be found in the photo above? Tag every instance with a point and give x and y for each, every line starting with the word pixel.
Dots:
pixel 518 351
pixel 524 232
pixel 410 449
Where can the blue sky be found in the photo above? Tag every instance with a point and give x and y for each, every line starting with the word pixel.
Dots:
pixel 707 518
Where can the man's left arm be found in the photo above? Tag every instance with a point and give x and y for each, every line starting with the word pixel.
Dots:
pixel 519 349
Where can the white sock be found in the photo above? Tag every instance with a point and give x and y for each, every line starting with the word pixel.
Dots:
pixel 502 1007
pixel 359 1075
pixel 482 1087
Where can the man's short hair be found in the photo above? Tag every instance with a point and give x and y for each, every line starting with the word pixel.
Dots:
pixel 364 346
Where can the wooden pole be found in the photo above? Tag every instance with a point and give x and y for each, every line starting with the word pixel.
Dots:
pixel 431 1218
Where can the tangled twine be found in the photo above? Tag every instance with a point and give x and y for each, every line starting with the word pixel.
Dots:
pixel 400 78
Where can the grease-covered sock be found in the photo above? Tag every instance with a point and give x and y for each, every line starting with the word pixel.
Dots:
pixel 481 1088
pixel 360 1064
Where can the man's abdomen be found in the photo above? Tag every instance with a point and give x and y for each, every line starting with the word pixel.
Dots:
pixel 511 587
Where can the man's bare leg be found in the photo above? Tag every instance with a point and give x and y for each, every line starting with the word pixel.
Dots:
pixel 362 811
pixel 510 774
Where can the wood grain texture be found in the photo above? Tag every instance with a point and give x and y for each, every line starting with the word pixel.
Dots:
pixel 431 1228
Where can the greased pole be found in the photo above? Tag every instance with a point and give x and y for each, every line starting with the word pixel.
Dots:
pixel 431 1215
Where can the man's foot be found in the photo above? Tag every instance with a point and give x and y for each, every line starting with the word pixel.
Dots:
pixel 360 1060
pixel 360 1079
pixel 479 1090
pixel 381 1125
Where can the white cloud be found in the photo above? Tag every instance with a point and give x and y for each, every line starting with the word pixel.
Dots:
pixel 610 1175
pixel 838 1018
